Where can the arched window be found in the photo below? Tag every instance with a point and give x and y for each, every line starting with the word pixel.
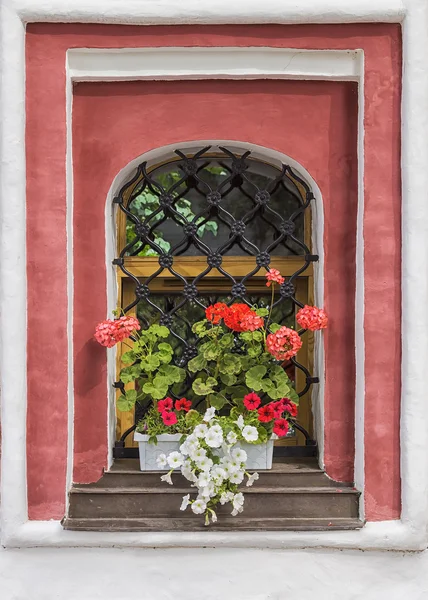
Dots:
pixel 203 224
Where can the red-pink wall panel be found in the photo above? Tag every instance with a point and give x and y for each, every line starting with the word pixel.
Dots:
pixel 47 424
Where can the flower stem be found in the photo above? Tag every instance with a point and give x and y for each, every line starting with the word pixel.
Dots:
pixel 270 308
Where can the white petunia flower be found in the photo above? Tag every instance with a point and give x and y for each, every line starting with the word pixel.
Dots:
pixel 185 503
pixel 238 500
pixel 239 454
pixel 234 465
pixel 217 429
pixel 226 497
pixel 204 480
pixel 200 430
pixel 204 464
pixel 236 511
pixel 161 460
pixel 231 437
pixel 251 479
pixel 236 477
pixel 240 422
pixel 209 414
pixel 199 507
pixel 192 443
pixel 175 460
pixel 213 439
pixel 188 474
pixel 208 491
pixel 218 474
pixel 198 454
pixel 213 517
pixel 184 448
pixel 167 478
pixel 250 433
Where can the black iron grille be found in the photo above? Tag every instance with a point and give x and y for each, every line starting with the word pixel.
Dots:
pixel 212 204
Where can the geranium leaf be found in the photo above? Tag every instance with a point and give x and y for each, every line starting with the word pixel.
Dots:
pixel 151 363
pixel 128 357
pixel 124 404
pixel 197 364
pixel 230 363
pixel 216 400
pixel 202 388
pixel 253 377
pixel 228 379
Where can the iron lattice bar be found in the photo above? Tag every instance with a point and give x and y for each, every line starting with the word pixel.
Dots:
pixel 240 207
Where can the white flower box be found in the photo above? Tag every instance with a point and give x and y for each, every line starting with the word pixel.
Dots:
pixel 259 455
pixel 167 442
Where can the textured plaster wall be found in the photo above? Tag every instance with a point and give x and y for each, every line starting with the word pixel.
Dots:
pixel 226 574
pixel 46 458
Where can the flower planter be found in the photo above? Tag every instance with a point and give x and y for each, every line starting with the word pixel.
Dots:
pixel 259 455
pixel 167 443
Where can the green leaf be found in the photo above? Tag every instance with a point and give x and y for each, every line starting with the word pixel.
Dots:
pixel 254 351
pixel 164 347
pixel 228 379
pixel 257 336
pixel 230 364
pixel 262 312
pixel 273 327
pixel 197 364
pixel 128 357
pixel 204 388
pixel 124 404
pixel 129 374
pixel 253 377
pixel 237 392
pixel 159 330
pixel 200 328
pixel 226 341
pixel 210 350
pixel 172 374
pixel 216 400
pixel 151 363
pixel 292 394
pixel 156 389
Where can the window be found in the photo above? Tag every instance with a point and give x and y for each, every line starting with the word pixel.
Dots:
pixel 202 226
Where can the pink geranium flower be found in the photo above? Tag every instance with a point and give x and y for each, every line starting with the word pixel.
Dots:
pixel 251 321
pixel 273 275
pixel 284 343
pixel 105 333
pixel 312 318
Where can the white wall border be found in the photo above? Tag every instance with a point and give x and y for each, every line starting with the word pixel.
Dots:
pixel 408 534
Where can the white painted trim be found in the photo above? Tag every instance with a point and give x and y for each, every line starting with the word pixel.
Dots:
pixel 90 64
pixel 161 12
pixel 410 533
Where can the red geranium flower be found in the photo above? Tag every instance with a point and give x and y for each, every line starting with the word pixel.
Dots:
pixel 233 316
pixel 252 401
pixel 312 317
pixel 274 275
pixel 183 404
pixel 266 413
pixel 284 343
pixel 125 326
pixel 280 427
pixel 165 405
pixel 215 312
pixel 169 418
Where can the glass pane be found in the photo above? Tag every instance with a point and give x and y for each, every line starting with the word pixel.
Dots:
pixel 243 199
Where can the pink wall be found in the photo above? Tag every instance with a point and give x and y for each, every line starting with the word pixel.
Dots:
pixel 330 138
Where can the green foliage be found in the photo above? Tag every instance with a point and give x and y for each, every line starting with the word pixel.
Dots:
pixel 203 388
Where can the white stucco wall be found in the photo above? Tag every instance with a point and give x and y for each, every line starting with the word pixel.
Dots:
pixel 211 574
pixel 226 573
